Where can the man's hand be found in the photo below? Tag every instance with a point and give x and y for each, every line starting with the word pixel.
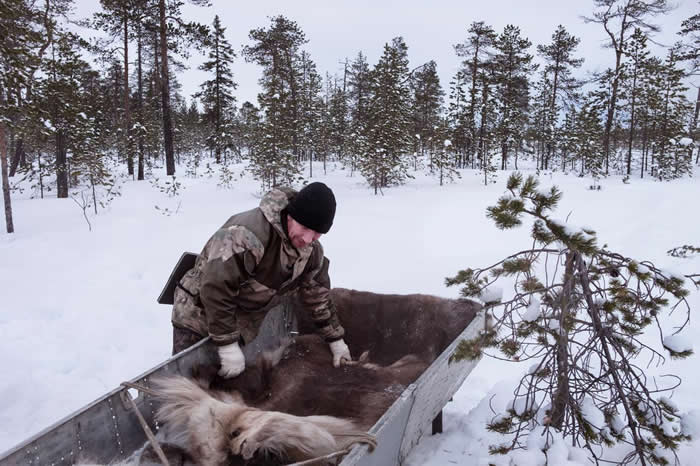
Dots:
pixel 341 352
pixel 232 360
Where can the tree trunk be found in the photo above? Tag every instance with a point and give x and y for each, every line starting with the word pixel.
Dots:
pixel 140 176
pixel 61 165
pixel 5 182
pixel 41 175
pixel 18 157
pixel 127 112
pixel 695 124
pixel 165 94
pixel 631 138
pixel 613 101
pixel 562 396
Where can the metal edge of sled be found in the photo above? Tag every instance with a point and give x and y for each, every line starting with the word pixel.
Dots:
pixel 405 422
pixel 61 443
pixel 81 425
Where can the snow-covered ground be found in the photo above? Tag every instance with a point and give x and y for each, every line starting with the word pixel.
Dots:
pixel 79 314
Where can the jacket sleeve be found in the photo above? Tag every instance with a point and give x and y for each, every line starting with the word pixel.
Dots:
pixel 315 295
pixel 234 253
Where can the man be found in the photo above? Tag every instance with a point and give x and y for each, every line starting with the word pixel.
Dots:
pixel 255 257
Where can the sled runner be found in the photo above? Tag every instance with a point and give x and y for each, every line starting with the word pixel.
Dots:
pixel 108 430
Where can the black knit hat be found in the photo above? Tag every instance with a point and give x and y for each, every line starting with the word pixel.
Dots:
pixel 313 207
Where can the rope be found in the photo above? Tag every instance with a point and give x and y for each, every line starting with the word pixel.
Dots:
pixel 144 425
pixel 370 441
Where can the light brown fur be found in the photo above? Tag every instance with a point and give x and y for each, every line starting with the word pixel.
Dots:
pixel 218 424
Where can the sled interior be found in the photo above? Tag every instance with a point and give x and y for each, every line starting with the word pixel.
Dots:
pixel 107 430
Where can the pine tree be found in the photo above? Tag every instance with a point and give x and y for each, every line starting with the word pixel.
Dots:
pixel 117 20
pixel 486 147
pixel 579 318
pixel 389 126
pixel 637 55
pixel 475 51
pixel 171 27
pixel 559 64
pixel 619 18
pixel 216 95
pixel 512 67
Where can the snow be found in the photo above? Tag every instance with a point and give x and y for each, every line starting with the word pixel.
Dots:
pixel 79 313
pixel 690 423
pixel 491 294
pixel 533 310
pixel 678 343
pixel 685 142
pixel 592 414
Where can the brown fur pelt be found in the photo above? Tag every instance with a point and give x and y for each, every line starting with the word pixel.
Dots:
pixel 291 405
pixel 299 378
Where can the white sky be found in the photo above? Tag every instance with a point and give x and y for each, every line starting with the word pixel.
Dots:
pixel 339 29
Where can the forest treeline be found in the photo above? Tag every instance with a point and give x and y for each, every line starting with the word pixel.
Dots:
pixel 74 112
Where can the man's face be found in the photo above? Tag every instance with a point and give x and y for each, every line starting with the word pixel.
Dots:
pixel 299 235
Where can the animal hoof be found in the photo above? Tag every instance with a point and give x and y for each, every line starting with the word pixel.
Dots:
pixel 248 449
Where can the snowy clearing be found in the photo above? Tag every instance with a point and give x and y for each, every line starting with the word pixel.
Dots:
pixel 80 314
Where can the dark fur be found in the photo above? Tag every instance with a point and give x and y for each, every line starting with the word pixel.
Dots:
pixel 305 383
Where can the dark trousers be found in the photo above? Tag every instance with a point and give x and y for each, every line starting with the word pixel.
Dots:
pixel 183 338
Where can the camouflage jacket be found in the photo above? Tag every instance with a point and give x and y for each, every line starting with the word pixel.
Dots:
pixel 243 269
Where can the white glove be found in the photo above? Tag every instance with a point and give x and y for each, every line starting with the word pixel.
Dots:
pixel 232 360
pixel 341 352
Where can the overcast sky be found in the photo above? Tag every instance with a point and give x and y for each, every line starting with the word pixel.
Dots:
pixel 339 29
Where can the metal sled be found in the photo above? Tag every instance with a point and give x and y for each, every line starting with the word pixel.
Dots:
pixel 108 430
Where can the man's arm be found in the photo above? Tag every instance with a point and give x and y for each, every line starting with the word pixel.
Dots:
pixel 233 255
pixel 315 296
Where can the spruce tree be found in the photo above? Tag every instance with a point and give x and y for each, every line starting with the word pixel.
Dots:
pixel 427 106
pixel 312 137
pixel 277 50
pixel 587 138
pixel 456 115
pixel 17 36
pixel 216 95
pixel 358 105
pixel 442 154
pixel 578 312
pixel 671 161
pixel 389 126
pixel 338 117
